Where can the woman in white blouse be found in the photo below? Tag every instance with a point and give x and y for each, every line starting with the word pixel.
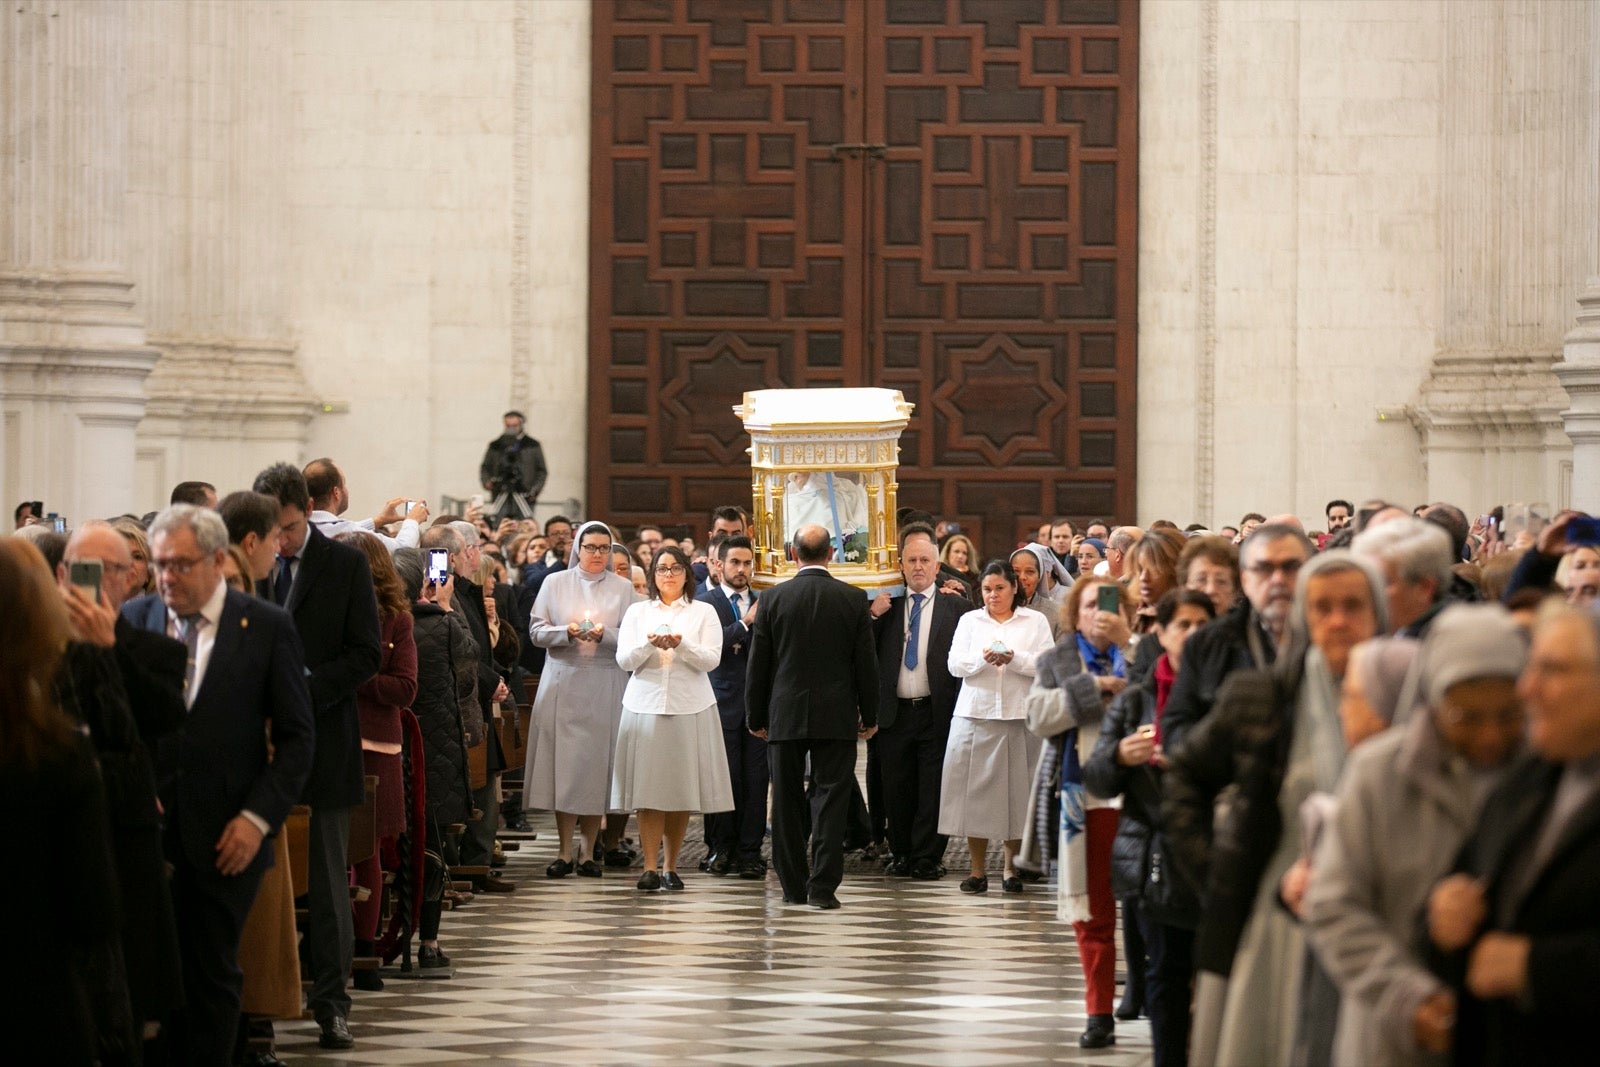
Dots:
pixel 670 758
pixel 989 759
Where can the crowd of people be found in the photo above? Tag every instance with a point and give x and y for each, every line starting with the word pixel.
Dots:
pixel 1341 788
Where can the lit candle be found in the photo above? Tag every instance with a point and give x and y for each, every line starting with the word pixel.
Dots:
pixel 587 625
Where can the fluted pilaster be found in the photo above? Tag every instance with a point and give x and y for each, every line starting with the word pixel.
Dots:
pixel 73 358
pixel 210 206
pixel 1519 208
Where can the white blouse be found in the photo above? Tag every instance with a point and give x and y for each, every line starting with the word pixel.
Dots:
pixel 669 682
pixel 987 691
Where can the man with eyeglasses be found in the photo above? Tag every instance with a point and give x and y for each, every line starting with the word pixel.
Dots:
pixel 1246 638
pixel 222 795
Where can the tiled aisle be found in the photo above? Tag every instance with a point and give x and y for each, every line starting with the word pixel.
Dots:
pixel 581 971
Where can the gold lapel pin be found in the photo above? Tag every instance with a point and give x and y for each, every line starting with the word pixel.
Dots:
pixel 244 624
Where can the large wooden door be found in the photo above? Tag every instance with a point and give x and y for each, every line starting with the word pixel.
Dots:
pixel 931 195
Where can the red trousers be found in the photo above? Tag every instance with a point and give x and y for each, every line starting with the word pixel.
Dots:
pixel 1097 938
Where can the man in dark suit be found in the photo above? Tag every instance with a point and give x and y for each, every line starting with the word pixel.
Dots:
pixel 916 698
pixel 734 838
pixel 1518 922
pixel 812 691
pixel 326 587
pixel 221 794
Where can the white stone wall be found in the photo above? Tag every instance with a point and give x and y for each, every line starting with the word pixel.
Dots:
pixel 1288 265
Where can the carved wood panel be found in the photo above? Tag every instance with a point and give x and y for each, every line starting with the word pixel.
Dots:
pixel 975 249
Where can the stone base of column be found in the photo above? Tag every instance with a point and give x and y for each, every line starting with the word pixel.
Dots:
pixel 1491 430
pixel 73 363
pixel 220 410
pixel 1579 374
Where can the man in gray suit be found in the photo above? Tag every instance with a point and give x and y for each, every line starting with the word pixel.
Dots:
pixel 812 690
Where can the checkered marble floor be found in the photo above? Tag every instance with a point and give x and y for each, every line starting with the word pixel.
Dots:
pixel 591 971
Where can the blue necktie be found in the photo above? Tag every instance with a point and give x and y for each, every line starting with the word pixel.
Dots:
pixel 280 590
pixel 738 605
pixel 912 630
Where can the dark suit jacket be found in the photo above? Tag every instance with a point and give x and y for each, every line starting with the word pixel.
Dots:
pixel 215 765
pixel 943 687
pixel 336 614
pixel 813 670
pixel 728 677
pixel 1557 913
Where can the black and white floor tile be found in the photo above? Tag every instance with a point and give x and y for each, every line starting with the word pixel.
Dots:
pixel 592 971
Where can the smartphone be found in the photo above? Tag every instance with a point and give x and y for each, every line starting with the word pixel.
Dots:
pixel 85 574
pixel 58 524
pixel 1582 531
pixel 477 501
pixel 1108 598
pixel 438 566
pixel 409 505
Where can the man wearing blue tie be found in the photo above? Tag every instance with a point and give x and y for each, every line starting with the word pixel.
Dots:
pixel 734 838
pixel 917 696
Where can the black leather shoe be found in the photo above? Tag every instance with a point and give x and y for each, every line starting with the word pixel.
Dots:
pixel 649 881
pixel 671 881
pixel 899 867
pixel 927 871
pixel 787 899
pixel 1011 885
pixel 620 857
pixel 722 864
pixel 824 903
pixel 590 869
pixel 975 885
pixel 430 959
pixel 558 869
pixel 335 1033
pixel 367 981
pixel 261 1058
pixel 706 862
pixel 753 870
pixel 1101 1032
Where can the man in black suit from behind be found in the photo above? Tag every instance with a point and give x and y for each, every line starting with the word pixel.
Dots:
pixel 221 794
pixel 812 690
pixel 326 587
pixel 917 696
pixel 734 838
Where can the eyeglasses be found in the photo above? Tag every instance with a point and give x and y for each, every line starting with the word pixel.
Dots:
pixel 676 568
pixel 1286 567
pixel 594 549
pixel 180 567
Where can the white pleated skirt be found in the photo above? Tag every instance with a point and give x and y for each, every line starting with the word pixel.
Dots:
pixel 671 763
pixel 988 770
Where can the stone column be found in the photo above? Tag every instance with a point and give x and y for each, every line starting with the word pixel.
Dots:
pixel 209 203
pixel 1580 375
pixel 73 357
pixel 1519 207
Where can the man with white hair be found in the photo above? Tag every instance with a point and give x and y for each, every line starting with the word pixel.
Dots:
pixel 1415 558
pixel 245 676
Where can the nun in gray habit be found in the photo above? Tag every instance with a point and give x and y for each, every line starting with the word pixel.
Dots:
pixel 579 707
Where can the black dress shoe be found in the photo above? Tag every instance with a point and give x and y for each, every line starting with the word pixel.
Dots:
pixel 335 1033
pixel 753 870
pixel 367 981
pixel 620 857
pixel 590 869
pixel 706 862
pixel 1102 1031
pixel 1012 884
pixel 899 867
pixel 927 871
pixel 827 902
pixel 787 899
pixel 432 958
pixel 558 869
pixel 975 885
pixel 649 881
pixel 722 864
pixel 1129 1009
pixel 671 881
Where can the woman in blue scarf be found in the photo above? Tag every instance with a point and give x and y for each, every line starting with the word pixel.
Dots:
pixel 1072 685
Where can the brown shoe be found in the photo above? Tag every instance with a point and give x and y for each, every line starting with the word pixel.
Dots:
pixel 493 883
